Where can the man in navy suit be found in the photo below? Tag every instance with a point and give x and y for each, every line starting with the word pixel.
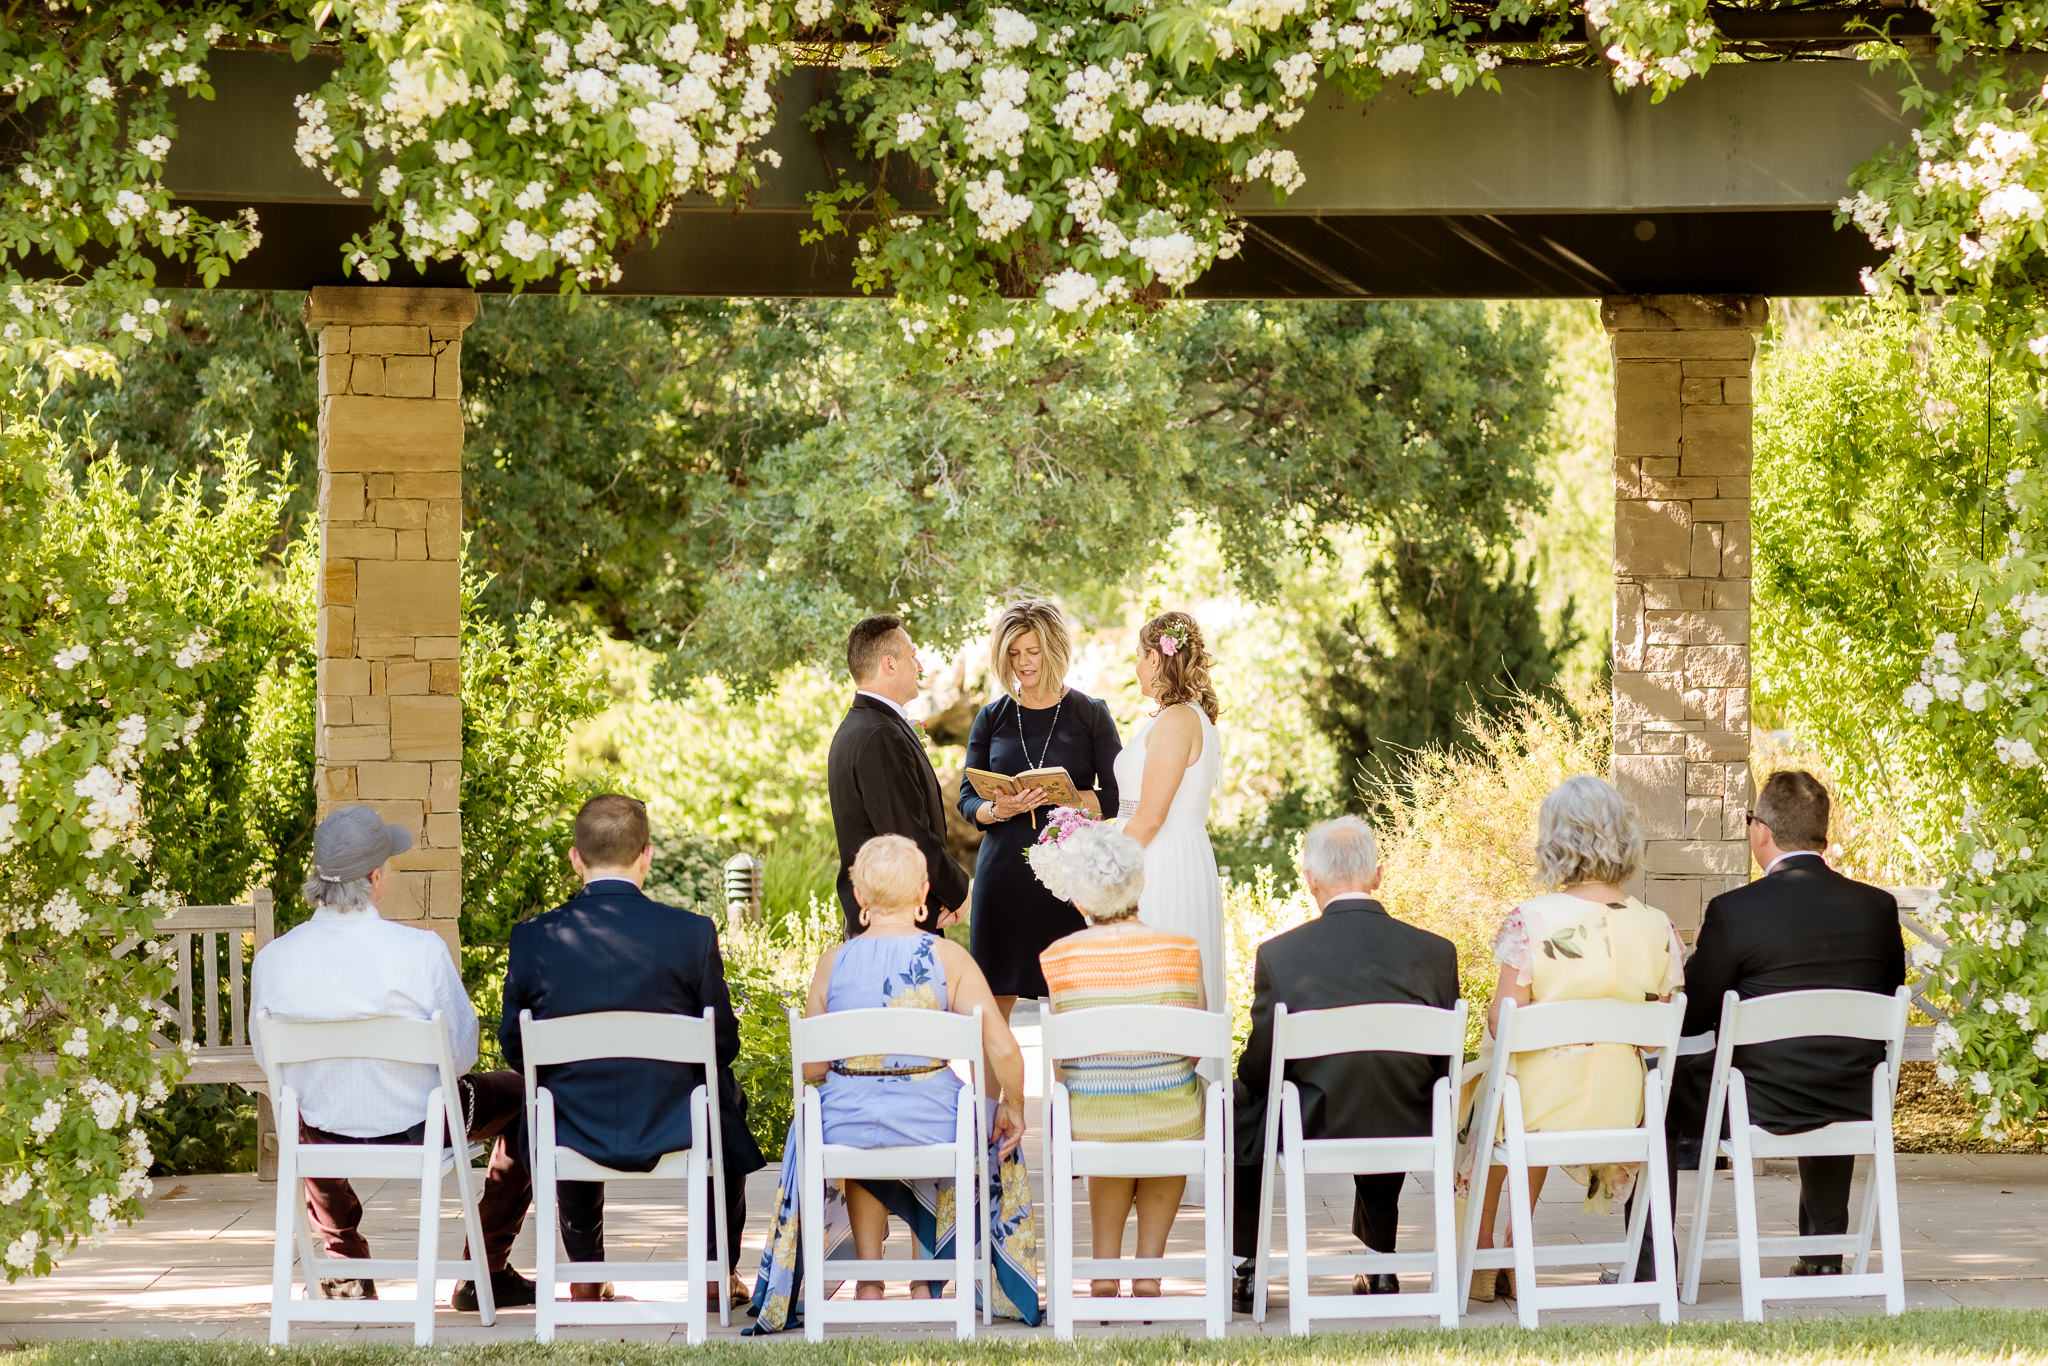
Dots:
pixel 612 947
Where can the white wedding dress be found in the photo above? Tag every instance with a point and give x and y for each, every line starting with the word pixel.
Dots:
pixel 1182 894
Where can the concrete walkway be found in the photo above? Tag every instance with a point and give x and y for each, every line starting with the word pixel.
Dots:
pixel 198 1266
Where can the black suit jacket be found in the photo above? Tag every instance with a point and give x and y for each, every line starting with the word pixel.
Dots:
pixel 881 783
pixel 1353 954
pixel 612 947
pixel 1801 927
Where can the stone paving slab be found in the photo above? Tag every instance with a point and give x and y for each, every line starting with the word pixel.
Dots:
pixel 198 1265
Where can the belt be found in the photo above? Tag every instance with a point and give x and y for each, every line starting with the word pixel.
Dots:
pixel 843 1070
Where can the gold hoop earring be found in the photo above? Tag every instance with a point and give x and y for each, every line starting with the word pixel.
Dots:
pixel 863 917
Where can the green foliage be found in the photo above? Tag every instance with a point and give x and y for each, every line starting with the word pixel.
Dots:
pixel 1458 640
pixel 769 968
pixel 199 1129
pixel 128 646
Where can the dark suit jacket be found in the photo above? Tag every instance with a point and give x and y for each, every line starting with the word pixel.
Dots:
pixel 612 947
pixel 1801 927
pixel 881 783
pixel 1353 954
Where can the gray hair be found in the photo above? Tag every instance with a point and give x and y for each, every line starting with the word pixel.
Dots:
pixel 323 895
pixel 1340 855
pixel 1104 871
pixel 1586 832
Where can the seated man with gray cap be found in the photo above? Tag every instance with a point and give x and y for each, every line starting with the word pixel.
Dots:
pixel 349 963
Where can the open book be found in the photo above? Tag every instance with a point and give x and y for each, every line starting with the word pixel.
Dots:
pixel 1054 782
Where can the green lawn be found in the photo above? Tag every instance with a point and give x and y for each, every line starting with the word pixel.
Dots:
pixel 1943 1336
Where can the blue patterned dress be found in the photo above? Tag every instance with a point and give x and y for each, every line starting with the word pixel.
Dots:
pixel 914 1108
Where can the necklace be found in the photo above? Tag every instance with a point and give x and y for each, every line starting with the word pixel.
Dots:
pixel 1043 750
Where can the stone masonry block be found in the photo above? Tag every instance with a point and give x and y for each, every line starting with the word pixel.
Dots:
pixel 373 711
pixel 409 816
pixel 335 711
pixel 1735 486
pixel 445 677
pixel 1702 818
pixel 336 784
pixel 409 376
pixel 1652 540
pixel 412 545
pixel 1734 822
pixel 391 434
pixel 402 514
pixel 446 895
pixel 354 744
pixel 437 647
pixel 1660 466
pixel 1628 627
pixel 1656 784
pixel 1736 389
pixel 337 632
pixel 341 497
pixel 394 782
pixel 344 678
pixel 1719 628
pixel 407 678
pixel 329 306
pixel 1647 697
pixel 430 858
pixel 1724 368
pixel 1716 458
pixel 444 830
pixel 415 484
pixel 1703 780
pixel 1697 703
pixel 334 368
pixel 338 583
pixel 1720 509
pixel 1735 550
pixel 1683 346
pixel 1717 666
pixel 1646 408
pixel 405 897
pixel 378 646
pixel 379 487
pixel 426 727
pixel 1674 595
pixel 1706 550
pixel 445 793
pixel 366 375
pixel 448 369
pixel 1684 488
pixel 409 597
pixel 1664 659
pixel 444 529
pixel 1666 628
pixel 1680 898
pixel 390 341
pixel 1728 595
pixel 357 542
pixel 1628 476
pixel 1703 858
pixel 1632 739
pixel 1717 422
pixel 1716 744
pixel 1741 313
pixel 1700 391
pixel 333 340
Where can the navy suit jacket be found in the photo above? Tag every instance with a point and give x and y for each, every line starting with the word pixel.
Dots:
pixel 612 947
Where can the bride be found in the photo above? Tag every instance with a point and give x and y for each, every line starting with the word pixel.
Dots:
pixel 1165 777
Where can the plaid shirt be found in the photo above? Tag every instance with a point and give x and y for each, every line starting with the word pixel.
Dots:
pixel 356 965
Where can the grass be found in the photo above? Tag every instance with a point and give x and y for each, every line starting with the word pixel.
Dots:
pixel 1923 1336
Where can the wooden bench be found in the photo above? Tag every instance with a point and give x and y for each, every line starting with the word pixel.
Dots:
pixel 1919 1038
pixel 211 949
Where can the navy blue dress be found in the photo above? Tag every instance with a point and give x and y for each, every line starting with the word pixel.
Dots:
pixel 1014 916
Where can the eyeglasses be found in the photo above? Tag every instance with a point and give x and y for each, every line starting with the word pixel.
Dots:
pixel 1750 817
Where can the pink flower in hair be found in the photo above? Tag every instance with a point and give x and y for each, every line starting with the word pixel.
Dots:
pixel 1168 645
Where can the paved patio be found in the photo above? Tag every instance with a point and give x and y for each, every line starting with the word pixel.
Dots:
pixel 198 1266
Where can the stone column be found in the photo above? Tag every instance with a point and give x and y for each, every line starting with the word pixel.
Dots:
pixel 389 731
pixel 1682 451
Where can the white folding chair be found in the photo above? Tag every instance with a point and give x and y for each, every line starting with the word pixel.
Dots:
pixel 1175 1030
pixel 1802 1015
pixel 1561 1024
pixel 1361 1029
pixel 944 1037
pixel 626 1034
pixel 384 1039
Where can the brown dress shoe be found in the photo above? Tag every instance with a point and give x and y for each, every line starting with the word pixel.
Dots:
pixel 592 1291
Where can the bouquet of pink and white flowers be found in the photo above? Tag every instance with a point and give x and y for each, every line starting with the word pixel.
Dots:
pixel 1048 856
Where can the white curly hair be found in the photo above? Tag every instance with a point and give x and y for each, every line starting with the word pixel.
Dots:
pixel 1105 871
pixel 1586 832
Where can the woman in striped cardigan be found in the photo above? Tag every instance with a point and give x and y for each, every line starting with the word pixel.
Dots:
pixel 1125 1097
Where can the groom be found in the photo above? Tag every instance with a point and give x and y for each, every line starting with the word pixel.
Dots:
pixel 880 781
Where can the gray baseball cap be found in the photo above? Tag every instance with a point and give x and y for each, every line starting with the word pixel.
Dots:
pixel 353 843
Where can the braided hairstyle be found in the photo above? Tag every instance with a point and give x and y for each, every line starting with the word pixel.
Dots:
pixel 1184 673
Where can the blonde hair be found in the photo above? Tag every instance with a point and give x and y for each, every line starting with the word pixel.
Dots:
pixel 888 872
pixel 1032 614
pixel 1184 674
pixel 1586 832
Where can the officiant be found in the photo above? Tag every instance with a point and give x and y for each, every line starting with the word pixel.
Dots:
pixel 1036 721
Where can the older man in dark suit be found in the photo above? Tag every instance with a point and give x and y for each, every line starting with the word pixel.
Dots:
pixel 1802 926
pixel 880 781
pixel 612 947
pixel 1354 953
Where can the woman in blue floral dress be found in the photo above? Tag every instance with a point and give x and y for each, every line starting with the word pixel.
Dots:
pixel 892 1101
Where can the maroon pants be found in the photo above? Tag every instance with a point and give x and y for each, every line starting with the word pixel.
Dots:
pixel 490 1102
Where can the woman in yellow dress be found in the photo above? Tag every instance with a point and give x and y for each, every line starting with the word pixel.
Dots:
pixel 1583 940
